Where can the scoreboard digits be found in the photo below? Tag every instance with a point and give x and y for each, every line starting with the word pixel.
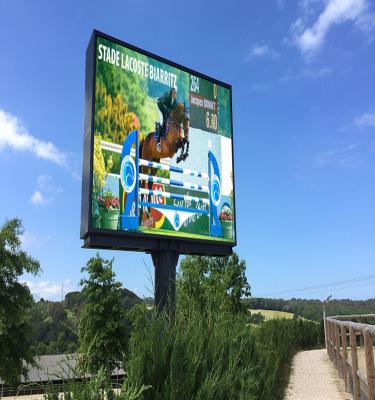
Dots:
pixel 203 104
pixel 194 85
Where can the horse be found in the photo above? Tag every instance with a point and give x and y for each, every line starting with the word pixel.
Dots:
pixel 176 137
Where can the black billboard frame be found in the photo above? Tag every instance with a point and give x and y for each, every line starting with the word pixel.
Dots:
pixel 99 238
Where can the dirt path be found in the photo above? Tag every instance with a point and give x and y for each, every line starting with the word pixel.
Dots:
pixel 313 377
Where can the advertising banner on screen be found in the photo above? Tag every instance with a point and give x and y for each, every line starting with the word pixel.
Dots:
pixel 162 148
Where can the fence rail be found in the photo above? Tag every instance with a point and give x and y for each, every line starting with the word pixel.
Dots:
pixel 350 346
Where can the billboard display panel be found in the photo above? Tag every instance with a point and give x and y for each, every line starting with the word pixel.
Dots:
pixel 161 162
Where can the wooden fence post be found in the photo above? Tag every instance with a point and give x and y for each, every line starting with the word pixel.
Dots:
pixel 337 341
pixel 325 326
pixel 330 340
pixel 370 368
pixel 344 355
pixel 354 356
pixel 332 343
pixel 328 347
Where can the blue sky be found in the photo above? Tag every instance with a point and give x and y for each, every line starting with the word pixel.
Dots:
pixel 304 130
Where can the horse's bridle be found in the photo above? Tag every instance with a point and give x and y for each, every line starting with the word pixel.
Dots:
pixel 174 123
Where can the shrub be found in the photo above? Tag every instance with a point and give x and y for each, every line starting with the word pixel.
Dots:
pixel 213 355
pixel 207 349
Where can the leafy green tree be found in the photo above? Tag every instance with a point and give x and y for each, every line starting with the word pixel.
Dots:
pixel 130 89
pixel 16 340
pixel 102 331
pixel 213 282
pixel 113 121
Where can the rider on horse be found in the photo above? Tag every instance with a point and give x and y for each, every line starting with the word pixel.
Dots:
pixel 166 104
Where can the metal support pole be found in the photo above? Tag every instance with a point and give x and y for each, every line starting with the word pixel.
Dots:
pixel 165 262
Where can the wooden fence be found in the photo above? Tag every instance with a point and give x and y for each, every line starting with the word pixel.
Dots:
pixel 350 346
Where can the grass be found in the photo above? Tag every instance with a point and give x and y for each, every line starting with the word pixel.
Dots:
pixel 182 234
pixel 69 314
pixel 272 314
pixel 214 355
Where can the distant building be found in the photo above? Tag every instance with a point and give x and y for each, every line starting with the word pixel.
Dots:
pixel 53 370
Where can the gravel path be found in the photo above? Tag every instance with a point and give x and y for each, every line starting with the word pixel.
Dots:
pixel 313 377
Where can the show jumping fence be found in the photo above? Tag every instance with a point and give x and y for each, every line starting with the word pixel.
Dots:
pixel 136 196
pixel 130 177
pixel 350 346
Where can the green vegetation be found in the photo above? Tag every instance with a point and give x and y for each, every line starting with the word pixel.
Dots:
pixel 16 339
pixel 271 314
pixel 97 388
pixel 180 234
pixel 208 350
pixel 120 101
pixel 103 334
pixel 113 121
pixel 55 323
pixel 312 309
pixel 211 348
pixel 217 283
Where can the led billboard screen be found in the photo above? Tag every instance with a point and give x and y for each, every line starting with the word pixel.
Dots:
pixel 158 153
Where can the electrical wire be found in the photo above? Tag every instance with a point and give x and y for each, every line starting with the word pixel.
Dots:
pixel 323 287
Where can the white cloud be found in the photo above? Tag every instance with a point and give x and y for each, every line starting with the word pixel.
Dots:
pixel 308 73
pixel 14 135
pixel 39 199
pixel 28 239
pixel 344 156
pixel 311 39
pixel 50 290
pixel 46 182
pixel 315 73
pixel 260 88
pixel 280 4
pixel 307 6
pixel 365 120
pixel 366 22
pixel 259 51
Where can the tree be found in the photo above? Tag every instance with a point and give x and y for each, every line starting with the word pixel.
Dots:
pixel 102 332
pixel 213 282
pixel 256 318
pixel 16 340
pixel 113 121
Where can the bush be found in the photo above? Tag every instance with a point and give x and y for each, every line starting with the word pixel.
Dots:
pixel 207 349
pixel 213 355
pixel 191 357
